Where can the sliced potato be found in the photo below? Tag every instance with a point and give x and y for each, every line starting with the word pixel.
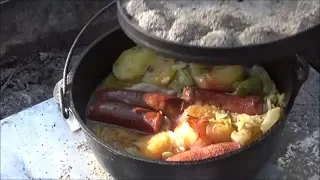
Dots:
pixel 132 63
pixel 218 133
pixel 154 146
pixel 197 70
pixel 185 135
pixel 160 72
pixel 199 111
pixel 221 78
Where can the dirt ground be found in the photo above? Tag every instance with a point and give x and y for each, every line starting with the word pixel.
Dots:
pixel 30 80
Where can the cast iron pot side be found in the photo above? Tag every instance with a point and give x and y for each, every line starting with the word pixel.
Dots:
pixel 94 66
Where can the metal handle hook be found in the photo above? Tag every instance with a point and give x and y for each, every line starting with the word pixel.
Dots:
pixel 63 90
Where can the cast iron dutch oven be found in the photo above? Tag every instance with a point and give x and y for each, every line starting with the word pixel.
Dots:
pixel 96 62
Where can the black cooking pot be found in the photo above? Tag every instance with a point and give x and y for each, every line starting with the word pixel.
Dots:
pixel 301 42
pixel 289 74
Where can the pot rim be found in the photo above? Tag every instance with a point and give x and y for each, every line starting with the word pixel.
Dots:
pixel 184 163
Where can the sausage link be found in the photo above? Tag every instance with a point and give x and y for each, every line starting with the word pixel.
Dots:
pixel 125 115
pixel 170 106
pixel 250 105
pixel 210 151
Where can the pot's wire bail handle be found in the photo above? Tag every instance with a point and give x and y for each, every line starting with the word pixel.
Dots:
pixel 63 90
pixel 304 69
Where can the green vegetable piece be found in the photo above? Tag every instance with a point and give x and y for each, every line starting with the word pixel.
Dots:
pixel 132 63
pixel 251 86
pixel 268 84
pixel 181 79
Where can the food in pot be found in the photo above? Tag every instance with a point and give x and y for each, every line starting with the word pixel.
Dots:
pixel 249 104
pixel 219 78
pixel 163 109
pixel 212 150
pixel 126 115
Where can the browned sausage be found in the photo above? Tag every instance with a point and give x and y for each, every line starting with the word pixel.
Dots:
pixel 125 115
pixel 170 106
pixel 210 151
pixel 250 105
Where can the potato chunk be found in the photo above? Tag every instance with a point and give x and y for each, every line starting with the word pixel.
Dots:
pixel 218 133
pixel 219 78
pixel 160 72
pixel 132 63
pixel 243 136
pixel 154 146
pixel 185 135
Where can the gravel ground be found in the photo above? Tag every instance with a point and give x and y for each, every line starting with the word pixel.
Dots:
pixel 28 81
pixel 298 153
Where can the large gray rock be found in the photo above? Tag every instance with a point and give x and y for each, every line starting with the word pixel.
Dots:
pixel 36 24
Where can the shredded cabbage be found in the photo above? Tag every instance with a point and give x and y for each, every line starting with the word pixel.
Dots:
pixel 245 121
pixel 146 87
